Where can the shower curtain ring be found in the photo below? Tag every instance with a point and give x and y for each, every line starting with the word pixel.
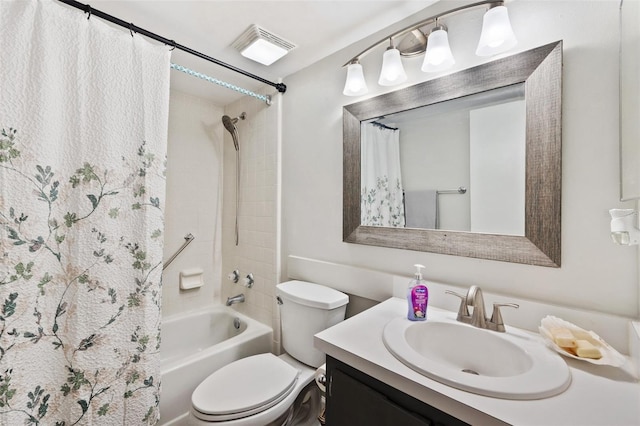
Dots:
pixel 131 28
pixel 87 10
pixel 173 45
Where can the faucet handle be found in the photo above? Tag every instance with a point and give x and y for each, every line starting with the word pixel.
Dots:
pixel 463 310
pixel 496 317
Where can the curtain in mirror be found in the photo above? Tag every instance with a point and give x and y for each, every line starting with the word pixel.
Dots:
pixel 381 180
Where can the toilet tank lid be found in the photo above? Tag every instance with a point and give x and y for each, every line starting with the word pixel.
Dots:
pixel 310 294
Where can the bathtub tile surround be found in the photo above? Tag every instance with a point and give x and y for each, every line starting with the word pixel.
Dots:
pixel 257 251
pixel 198 148
pixel 194 199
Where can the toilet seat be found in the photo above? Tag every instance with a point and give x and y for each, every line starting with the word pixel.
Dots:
pixel 244 388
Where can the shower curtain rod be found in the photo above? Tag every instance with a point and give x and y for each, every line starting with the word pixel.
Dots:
pixel 281 87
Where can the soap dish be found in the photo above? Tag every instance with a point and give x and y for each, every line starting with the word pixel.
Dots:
pixel 609 355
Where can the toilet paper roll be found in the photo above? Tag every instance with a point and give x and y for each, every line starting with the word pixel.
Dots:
pixel 320 377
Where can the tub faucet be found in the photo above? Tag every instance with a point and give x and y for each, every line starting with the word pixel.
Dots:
pixel 235 299
pixel 478 317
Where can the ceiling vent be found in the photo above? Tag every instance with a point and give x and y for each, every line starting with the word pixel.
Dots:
pixel 262 46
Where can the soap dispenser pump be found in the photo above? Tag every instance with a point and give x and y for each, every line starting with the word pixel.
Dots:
pixel 417 297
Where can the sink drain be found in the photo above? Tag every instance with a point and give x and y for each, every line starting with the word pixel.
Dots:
pixel 470 371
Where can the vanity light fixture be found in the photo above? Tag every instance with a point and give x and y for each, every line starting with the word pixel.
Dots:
pixel 261 46
pixel 496 37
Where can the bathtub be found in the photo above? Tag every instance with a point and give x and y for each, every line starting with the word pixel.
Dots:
pixel 196 344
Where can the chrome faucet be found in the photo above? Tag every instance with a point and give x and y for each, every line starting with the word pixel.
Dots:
pixel 478 317
pixel 235 299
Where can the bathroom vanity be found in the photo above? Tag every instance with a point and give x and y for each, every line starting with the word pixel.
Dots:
pixel 366 382
pixel 357 398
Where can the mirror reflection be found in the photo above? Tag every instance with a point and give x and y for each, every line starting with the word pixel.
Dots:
pixel 456 165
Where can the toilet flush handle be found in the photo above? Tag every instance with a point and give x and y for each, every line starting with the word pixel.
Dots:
pixel 279 300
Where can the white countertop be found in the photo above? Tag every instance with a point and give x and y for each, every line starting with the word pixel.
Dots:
pixel 598 395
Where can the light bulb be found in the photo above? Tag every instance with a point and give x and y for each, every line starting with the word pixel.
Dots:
pixel 355 85
pixel 438 56
pixel 497 35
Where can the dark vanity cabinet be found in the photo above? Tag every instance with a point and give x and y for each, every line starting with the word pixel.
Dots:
pixel 354 398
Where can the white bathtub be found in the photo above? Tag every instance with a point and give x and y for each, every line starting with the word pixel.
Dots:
pixel 196 344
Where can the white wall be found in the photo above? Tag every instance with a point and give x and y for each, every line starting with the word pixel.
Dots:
pixel 439 160
pixel 630 97
pixel 194 198
pixel 595 273
pixel 257 250
pixel 497 168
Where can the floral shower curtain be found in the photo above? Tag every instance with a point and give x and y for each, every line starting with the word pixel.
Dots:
pixel 83 122
pixel 381 191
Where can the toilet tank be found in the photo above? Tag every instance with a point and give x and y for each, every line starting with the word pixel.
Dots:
pixel 306 309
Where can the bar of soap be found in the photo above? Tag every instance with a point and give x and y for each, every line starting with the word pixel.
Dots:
pixel 585 349
pixel 584 335
pixel 563 337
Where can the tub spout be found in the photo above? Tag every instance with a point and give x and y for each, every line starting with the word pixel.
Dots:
pixel 235 299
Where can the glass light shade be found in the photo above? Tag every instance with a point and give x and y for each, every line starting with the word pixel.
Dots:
pixel 264 52
pixel 392 71
pixel 497 35
pixel 355 84
pixel 438 56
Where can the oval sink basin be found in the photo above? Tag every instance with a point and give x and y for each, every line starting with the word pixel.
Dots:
pixel 511 365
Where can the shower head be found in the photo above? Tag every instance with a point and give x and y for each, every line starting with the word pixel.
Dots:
pixel 230 124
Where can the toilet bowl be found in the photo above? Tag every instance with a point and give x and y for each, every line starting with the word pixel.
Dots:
pixel 270 390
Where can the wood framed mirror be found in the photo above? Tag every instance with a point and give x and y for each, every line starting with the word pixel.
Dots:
pixel 540 71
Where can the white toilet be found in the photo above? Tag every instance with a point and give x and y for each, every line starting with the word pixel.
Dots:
pixel 265 389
